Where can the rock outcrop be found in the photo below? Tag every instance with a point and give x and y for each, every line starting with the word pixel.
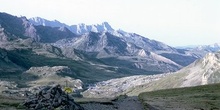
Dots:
pixel 50 98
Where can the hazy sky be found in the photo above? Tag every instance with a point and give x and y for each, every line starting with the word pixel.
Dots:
pixel 174 22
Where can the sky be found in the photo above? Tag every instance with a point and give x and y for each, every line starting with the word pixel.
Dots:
pixel 174 22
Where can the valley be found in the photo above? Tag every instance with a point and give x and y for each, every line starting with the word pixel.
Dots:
pixel 106 68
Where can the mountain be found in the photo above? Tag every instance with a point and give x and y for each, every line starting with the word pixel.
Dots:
pixel 210 48
pixel 201 72
pixel 76 29
pixel 200 50
pixel 40 21
pixel 118 46
pixel 114 51
pixel 14 28
pixel 92 57
pixel 108 47
pixel 24 45
pixel 203 49
pixel 92 39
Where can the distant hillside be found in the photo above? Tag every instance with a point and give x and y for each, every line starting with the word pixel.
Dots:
pixel 201 72
pixel 200 50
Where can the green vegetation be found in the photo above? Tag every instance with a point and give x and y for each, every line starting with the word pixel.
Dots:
pixel 82 70
pixel 178 58
pixel 11 103
pixel 205 97
pixel 26 58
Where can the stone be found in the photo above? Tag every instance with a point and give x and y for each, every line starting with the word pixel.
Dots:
pixel 50 98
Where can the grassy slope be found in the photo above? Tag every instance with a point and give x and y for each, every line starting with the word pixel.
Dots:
pixel 83 70
pixel 201 97
pixel 10 103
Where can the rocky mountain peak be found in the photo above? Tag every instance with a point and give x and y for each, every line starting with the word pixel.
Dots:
pixel 208 48
pixel 216 45
pixel 211 59
pixel 45 22
pixel 107 26
pixel 14 27
pixel 76 28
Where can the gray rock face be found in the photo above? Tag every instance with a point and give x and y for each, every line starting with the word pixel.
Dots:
pixel 107 42
pixel 50 98
pixel 44 22
pixel 77 29
pixel 14 28
pixel 106 45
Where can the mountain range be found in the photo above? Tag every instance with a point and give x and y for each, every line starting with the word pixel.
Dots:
pixel 76 29
pixel 128 44
pixel 36 47
pixel 201 50
pixel 109 45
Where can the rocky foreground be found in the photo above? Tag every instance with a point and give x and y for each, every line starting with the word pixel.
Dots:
pixel 50 98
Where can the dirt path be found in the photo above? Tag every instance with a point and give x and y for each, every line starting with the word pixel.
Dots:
pixel 128 103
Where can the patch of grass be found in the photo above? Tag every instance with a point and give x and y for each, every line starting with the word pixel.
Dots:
pixel 205 97
pixel 12 103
